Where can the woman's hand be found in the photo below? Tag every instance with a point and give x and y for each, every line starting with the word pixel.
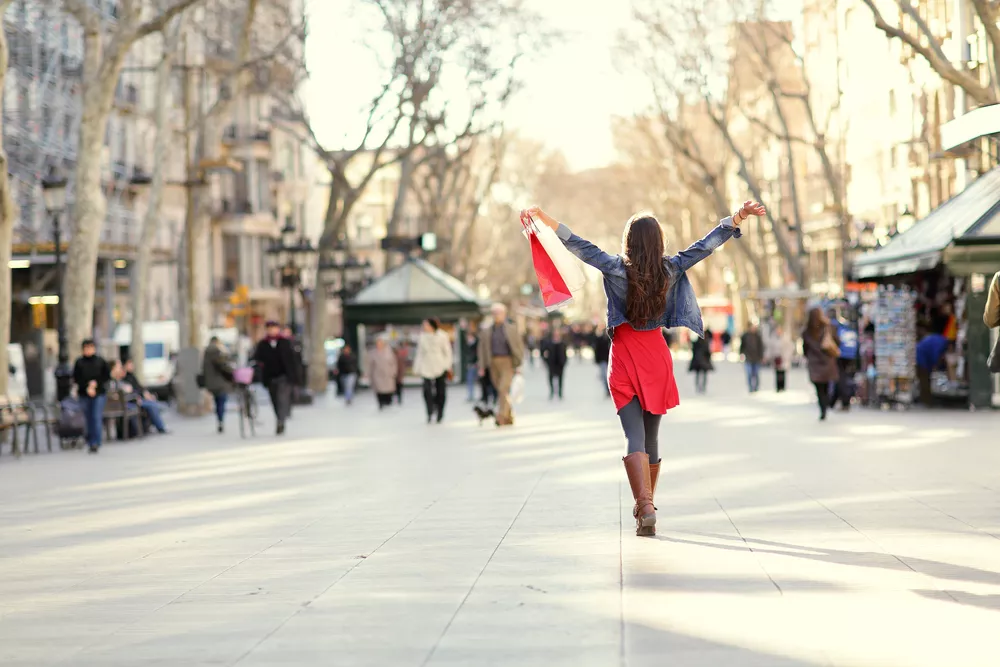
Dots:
pixel 749 208
pixel 543 217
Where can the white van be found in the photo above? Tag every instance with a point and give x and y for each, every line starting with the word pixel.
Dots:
pixel 162 342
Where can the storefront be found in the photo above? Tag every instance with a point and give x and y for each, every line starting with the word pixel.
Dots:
pixel 930 284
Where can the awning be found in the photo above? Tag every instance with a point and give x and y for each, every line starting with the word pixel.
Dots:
pixel 921 247
pixel 412 292
pixel 957 135
pixel 978 250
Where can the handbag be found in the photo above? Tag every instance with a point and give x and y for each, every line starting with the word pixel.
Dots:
pixel 993 361
pixel 829 345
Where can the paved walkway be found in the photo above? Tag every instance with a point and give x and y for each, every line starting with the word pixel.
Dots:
pixel 366 539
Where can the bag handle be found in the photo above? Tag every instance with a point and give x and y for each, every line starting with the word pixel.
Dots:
pixel 528 223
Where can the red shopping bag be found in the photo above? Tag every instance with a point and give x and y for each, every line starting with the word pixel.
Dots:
pixel 555 293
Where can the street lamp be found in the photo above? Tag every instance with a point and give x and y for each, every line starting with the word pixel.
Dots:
pixel 290 258
pixel 54 197
pixel 345 273
pixel 906 220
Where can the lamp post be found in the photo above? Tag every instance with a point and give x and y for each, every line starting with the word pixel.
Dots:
pixel 54 196
pixel 345 273
pixel 290 258
pixel 906 220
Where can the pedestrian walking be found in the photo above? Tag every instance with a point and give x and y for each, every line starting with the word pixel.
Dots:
pixel 433 363
pixel 991 313
pixel 779 350
pixel 931 350
pixel 217 371
pixel 701 361
pixel 347 373
pixel 402 361
pixel 646 291
pixel 727 340
pixel 531 343
pixel 472 365
pixel 847 363
pixel 501 352
pixel 752 351
pixel 91 374
pixel 821 347
pixel 295 386
pixel 383 369
pixel 278 368
pixel 602 354
pixel 554 355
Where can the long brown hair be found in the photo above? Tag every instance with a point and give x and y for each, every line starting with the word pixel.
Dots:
pixel 817 323
pixel 648 281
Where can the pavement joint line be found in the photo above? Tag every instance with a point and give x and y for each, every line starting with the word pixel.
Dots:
pixel 485 565
pixel 623 660
pixel 756 557
pixel 357 564
pixel 931 579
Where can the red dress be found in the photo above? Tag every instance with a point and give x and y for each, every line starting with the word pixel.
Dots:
pixel 641 366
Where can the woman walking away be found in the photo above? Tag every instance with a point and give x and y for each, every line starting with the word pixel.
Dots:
pixel 347 373
pixel 433 363
pixel 554 355
pixel 701 361
pixel 646 291
pixel 821 347
pixel 218 373
pixel 382 367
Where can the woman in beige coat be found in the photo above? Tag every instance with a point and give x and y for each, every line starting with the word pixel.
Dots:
pixel 382 367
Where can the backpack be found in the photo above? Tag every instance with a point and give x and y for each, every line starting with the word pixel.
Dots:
pixel 72 422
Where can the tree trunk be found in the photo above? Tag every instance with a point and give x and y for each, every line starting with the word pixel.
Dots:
pixel 8 216
pixel 141 266
pixel 90 205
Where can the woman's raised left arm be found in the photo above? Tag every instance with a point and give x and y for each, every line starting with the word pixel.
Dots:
pixel 728 228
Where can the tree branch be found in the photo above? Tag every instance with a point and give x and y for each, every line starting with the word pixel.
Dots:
pixel 934 56
pixel 160 21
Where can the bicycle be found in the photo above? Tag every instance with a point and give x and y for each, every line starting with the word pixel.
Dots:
pixel 243 379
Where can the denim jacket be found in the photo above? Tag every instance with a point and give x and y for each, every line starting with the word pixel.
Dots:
pixel 682 305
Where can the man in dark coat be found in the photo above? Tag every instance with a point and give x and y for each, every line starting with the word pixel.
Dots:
pixel 278 371
pixel 752 351
pixel 601 344
pixel 554 355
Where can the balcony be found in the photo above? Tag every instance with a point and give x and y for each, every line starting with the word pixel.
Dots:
pixel 247 142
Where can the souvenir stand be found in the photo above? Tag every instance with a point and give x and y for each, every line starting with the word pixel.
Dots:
pixel 895 345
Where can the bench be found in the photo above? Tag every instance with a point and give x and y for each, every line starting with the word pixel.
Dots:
pixel 119 407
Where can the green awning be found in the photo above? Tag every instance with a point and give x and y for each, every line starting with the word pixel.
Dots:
pixel 922 246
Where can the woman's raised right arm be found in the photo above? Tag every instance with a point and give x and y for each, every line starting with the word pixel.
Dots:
pixel 585 251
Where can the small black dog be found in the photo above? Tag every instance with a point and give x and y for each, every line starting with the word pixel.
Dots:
pixel 483 413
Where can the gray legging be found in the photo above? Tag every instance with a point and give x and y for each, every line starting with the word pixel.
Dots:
pixel 641 429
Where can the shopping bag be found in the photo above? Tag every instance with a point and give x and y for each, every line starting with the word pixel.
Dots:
pixel 568 266
pixel 555 292
pixel 516 393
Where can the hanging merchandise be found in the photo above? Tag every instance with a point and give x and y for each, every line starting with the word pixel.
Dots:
pixel 895 344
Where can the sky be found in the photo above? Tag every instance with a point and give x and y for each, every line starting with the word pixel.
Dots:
pixel 570 95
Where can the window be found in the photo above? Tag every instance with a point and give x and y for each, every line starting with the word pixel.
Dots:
pixel 892 102
pixel 263 185
pixel 230 261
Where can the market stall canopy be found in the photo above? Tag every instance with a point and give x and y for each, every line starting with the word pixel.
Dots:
pixel 959 136
pixel 922 246
pixel 978 250
pixel 411 293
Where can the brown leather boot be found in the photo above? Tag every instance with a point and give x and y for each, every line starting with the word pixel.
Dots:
pixel 637 469
pixel 654 472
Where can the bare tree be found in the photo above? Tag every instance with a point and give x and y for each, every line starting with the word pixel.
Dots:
pixel 685 70
pixel 8 217
pixel 161 145
pixel 106 44
pixel 913 27
pixel 430 39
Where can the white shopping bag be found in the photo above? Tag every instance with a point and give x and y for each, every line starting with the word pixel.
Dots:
pixel 516 393
pixel 566 263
